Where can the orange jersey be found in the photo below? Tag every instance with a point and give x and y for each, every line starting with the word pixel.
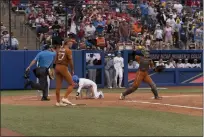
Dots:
pixel 145 63
pixel 64 57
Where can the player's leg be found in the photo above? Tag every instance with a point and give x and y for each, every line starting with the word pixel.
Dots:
pixel 94 75
pixel 116 76
pixel 111 75
pixel 120 77
pixel 67 76
pixel 107 78
pixel 59 79
pixel 154 90
pixel 138 79
pixel 95 92
pixel 48 84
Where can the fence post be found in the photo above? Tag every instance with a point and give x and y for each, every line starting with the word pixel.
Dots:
pixel 15 20
pixel 125 78
pixel 27 36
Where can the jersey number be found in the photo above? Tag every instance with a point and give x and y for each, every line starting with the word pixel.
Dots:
pixel 61 56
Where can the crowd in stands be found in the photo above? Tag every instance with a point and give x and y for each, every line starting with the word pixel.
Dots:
pixel 109 26
pixel 8 42
pixel 100 25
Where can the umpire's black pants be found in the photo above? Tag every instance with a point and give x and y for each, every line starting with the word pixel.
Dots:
pixel 41 73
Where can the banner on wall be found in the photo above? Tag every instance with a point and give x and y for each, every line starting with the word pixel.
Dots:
pixel 175 56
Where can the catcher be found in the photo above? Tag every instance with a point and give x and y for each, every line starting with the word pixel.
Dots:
pixel 142 75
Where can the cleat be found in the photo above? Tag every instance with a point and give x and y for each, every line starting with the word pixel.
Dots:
pixel 60 104
pixel 122 97
pixel 77 97
pixel 158 98
pixel 65 100
pixel 45 99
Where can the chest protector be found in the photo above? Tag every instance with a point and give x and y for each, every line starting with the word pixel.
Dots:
pixel 144 64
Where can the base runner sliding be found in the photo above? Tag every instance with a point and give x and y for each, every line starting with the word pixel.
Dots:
pixel 145 63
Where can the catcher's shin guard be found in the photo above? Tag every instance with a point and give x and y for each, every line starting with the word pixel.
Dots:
pixel 129 91
pixel 155 91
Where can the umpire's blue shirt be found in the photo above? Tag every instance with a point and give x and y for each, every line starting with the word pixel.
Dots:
pixel 45 58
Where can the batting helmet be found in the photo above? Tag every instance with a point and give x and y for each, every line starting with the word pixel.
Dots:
pixel 75 78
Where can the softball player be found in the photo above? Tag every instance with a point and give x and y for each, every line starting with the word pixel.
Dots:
pixel 118 62
pixel 89 85
pixel 142 75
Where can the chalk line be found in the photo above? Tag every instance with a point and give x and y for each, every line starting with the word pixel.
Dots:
pixel 180 96
pixel 161 104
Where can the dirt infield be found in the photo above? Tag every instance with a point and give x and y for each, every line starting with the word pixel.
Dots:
pixel 7 132
pixel 190 104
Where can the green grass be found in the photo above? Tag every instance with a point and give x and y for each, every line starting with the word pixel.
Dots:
pixel 29 92
pixel 53 121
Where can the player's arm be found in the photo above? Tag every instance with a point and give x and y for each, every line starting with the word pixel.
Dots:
pixel 34 61
pixel 71 64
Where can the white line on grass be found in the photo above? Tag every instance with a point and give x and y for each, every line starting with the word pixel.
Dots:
pixel 161 104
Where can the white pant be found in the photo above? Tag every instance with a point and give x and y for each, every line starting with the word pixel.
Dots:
pixel 48 82
pixel 119 72
pixel 97 93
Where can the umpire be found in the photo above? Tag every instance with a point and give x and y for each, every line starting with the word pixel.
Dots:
pixel 45 60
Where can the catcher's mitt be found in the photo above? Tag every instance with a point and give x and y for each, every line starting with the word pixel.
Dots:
pixel 27 74
pixel 159 68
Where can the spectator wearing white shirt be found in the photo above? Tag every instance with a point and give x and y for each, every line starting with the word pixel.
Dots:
pixel 196 64
pixel 178 7
pixel 89 30
pixel 158 34
pixel 171 60
pixel 136 64
pixel 187 64
pixel 50 17
pixel 169 65
pixel 171 21
pixel 180 64
pixel 14 43
pixel 130 64
pixel 38 21
pixel 160 63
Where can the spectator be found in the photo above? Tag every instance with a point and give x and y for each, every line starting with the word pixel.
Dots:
pixel 169 65
pixel 124 31
pixel 158 36
pixel 196 64
pixel 101 43
pixel 145 11
pixel 160 63
pixel 90 30
pixel 180 64
pixel 168 35
pixel 130 65
pixel 186 64
pixel 14 43
pixel 183 36
pixel 178 7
